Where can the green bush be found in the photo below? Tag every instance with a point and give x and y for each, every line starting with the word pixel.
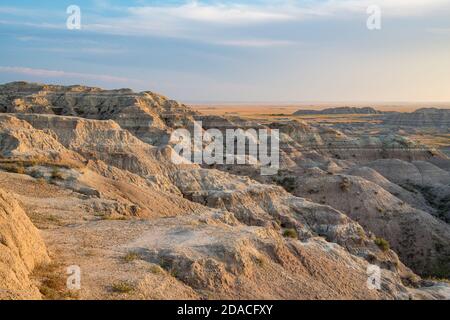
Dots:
pixel 290 233
pixel 383 244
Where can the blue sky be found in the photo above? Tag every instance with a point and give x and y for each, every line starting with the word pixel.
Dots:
pixel 235 51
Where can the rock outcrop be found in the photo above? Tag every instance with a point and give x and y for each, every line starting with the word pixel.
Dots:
pixel 420 239
pixel 21 250
pixel 426 117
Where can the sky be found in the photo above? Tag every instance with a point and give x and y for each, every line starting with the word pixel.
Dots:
pixel 234 51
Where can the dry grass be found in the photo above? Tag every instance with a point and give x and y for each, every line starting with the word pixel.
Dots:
pixel 113 217
pixel 52 282
pixel 44 221
pixel 131 256
pixel 123 287
pixel 155 269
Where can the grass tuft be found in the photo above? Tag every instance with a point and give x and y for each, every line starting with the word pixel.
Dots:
pixel 131 256
pixel 290 233
pixel 383 244
pixel 123 287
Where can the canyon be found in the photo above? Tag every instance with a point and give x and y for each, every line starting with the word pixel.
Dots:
pixel 87 179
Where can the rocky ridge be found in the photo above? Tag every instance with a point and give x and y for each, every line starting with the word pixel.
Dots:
pixel 425 117
pixel 339 110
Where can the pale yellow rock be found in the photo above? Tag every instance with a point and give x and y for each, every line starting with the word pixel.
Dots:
pixel 21 250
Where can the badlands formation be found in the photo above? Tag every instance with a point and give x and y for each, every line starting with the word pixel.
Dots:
pixel 86 179
pixel 339 110
pixel 425 117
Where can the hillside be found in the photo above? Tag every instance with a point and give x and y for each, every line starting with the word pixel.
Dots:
pixel 425 117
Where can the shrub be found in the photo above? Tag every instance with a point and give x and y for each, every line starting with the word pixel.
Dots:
pixel 52 283
pixel 290 233
pixel 131 256
pixel 383 244
pixel 155 269
pixel 123 287
pixel 287 182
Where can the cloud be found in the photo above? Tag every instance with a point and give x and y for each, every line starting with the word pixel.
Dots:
pixel 63 74
pixel 239 14
pixel 205 21
pixel 228 23
pixel 255 43
pixel 394 8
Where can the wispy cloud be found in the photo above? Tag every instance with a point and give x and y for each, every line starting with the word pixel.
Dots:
pixel 216 22
pixel 240 14
pixel 205 22
pixel 256 43
pixel 44 73
pixel 390 8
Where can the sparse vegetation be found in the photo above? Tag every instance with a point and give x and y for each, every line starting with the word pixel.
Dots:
pixel 169 265
pixel 131 256
pixel 290 233
pixel 287 182
pixel 53 282
pixel 113 217
pixel 45 221
pixel 383 244
pixel 155 269
pixel 165 264
pixel 123 287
